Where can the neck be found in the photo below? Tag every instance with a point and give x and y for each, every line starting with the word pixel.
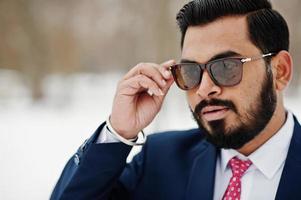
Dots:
pixel 276 122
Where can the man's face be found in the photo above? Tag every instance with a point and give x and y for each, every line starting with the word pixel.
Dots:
pixel 229 116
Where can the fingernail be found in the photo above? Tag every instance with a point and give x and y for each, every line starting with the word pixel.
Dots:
pixel 149 92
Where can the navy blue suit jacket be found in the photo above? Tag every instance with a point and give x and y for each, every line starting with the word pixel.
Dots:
pixel 171 165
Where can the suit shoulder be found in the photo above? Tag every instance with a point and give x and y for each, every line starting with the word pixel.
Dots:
pixel 174 145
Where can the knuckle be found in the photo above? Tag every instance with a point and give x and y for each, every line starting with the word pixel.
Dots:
pixel 154 85
pixel 161 68
pixel 121 85
pixel 120 82
pixel 143 79
pixel 140 77
pixel 140 65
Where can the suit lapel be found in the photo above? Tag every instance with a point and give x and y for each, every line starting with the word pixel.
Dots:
pixel 202 174
pixel 290 182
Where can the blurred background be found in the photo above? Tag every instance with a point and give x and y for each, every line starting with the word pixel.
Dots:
pixel 59 65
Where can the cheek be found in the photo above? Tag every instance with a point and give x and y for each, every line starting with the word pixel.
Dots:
pixel 247 98
pixel 253 72
pixel 251 84
pixel 192 98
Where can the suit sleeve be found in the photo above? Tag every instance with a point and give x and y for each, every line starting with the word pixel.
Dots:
pixel 98 171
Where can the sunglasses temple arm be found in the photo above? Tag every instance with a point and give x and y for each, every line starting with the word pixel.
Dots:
pixel 256 58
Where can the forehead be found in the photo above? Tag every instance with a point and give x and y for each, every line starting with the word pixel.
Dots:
pixel 225 34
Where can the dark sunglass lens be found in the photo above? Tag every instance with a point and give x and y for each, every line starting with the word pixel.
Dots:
pixel 227 72
pixel 187 76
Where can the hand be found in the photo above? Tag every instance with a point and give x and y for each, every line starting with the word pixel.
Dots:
pixel 139 97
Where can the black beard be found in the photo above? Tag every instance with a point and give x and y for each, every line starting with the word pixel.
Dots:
pixel 257 118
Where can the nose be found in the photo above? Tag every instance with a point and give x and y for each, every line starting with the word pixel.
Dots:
pixel 207 87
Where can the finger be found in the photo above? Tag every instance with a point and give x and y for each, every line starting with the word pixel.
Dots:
pixel 140 83
pixel 168 63
pixel 168 85
pixel 164 69
pixel 150 70
pixel 166 89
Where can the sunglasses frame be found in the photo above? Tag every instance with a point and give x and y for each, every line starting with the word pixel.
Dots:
pixel 208 65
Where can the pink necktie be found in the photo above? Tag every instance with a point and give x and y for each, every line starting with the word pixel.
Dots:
pixel 238 168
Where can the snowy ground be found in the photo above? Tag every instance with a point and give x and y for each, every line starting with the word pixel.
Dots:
pixel 37 139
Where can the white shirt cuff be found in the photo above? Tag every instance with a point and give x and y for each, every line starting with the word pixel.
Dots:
pixel 106 137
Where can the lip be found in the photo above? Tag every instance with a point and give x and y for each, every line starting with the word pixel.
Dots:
pixel 211 113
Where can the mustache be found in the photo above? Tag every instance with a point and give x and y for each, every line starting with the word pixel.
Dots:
pixel 215 102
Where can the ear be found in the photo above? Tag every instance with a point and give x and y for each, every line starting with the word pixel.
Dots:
pixel 282 65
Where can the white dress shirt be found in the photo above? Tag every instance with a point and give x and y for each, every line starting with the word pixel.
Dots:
pixel 261 180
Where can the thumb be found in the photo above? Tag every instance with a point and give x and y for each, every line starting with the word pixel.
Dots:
pixel 164 69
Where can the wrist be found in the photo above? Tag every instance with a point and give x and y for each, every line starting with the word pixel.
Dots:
pixel 123 132
pixel 130 142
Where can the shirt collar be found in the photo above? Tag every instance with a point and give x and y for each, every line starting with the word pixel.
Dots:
pixel 263 158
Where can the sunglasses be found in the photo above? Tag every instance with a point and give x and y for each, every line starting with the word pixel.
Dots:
pixel 225 72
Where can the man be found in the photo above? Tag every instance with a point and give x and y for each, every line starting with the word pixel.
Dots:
pixel 247 145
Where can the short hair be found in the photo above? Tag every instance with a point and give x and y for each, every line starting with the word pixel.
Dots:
pixel 268 30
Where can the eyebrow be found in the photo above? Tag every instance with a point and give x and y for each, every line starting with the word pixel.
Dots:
pixel 226 54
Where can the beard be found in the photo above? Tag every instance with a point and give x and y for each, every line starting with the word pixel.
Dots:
pixel 248 126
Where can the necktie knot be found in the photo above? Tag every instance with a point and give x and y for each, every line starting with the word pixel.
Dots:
pixel 238 166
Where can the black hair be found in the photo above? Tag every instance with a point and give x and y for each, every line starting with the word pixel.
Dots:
pixel 267 28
